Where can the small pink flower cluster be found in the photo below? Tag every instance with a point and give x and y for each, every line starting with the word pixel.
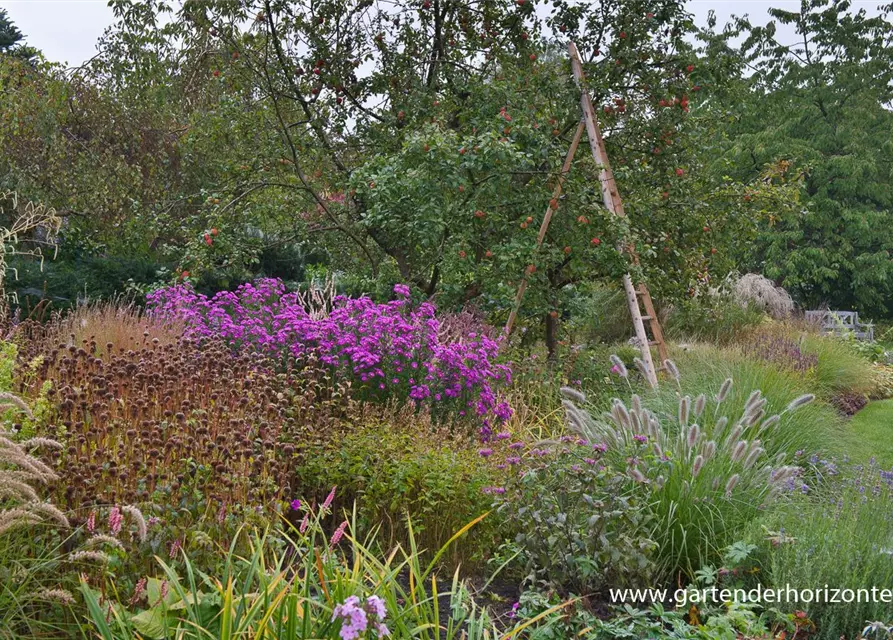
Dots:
pixel 356 618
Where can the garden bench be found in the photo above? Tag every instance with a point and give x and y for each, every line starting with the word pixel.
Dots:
pixel 840 322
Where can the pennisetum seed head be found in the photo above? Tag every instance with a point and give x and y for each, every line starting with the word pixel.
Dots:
pixel 739 450
pixel 724 389
pixel 672 369
pixel 700 404
pixel 572 394
pixel 730 484
pixel 618 363
pixel 697 466
pixel 803 400
pixel 684 406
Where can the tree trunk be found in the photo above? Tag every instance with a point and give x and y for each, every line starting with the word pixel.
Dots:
pixel 552 337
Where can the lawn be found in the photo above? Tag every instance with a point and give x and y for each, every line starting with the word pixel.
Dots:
pixel 872 429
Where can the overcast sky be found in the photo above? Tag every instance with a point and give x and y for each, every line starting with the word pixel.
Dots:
pixel 67 30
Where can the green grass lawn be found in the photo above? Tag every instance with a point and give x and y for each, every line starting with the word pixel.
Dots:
pixel 872 431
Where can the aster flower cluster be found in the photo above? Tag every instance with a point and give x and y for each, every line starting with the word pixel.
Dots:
pixel 357 618
pixel 385 349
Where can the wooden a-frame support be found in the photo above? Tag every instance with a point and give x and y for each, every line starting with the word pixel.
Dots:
pixel 612 201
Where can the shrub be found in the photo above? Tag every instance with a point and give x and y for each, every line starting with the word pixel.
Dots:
pixel 837 534
pixel 756 291
pixel 386 350
pixel 580 524
pixel 709 467
pixel 398 464
pixel 849 404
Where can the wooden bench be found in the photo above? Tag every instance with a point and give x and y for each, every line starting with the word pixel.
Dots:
pixel 841 322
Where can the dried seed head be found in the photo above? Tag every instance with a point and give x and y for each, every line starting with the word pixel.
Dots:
pixel 573 395
pixel 752 399
pixel 47 443
pixel 700 404
pixel 12 400
pixel 17 490
pixel 89 556
pixel 799 402
pixel 641 366
pixel 697 466
pixel 618 363
pixel 709 450
pixel 621 414
pixel 753 455
pixel 755 416
pixel 724 390
pixel 137 516
pixel 694 433
pixel 671 368
pixel 734 435
pixel 101 539
pixel 730 485
pixel 56 595
pixel 23 520
pixel 739 450
pixel 50 511
pixel 684 406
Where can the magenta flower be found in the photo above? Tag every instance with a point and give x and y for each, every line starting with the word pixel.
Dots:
pixel 295 504
pixel 366 342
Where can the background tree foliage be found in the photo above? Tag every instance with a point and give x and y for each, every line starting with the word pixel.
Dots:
pixel 818 112
pixel 420 141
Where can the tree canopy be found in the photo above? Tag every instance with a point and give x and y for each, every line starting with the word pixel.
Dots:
pixel 420 142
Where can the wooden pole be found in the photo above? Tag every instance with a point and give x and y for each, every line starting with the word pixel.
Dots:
pixel 547 218
pixel 613 203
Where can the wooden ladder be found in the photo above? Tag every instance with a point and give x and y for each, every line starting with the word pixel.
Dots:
pixel 657 333
pixel 612 201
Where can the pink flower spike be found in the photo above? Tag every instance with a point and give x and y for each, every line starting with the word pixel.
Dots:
pixel 329 498
pixel 339 533
pixel 115 520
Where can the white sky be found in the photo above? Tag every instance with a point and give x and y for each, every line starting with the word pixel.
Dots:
pixel 67 30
